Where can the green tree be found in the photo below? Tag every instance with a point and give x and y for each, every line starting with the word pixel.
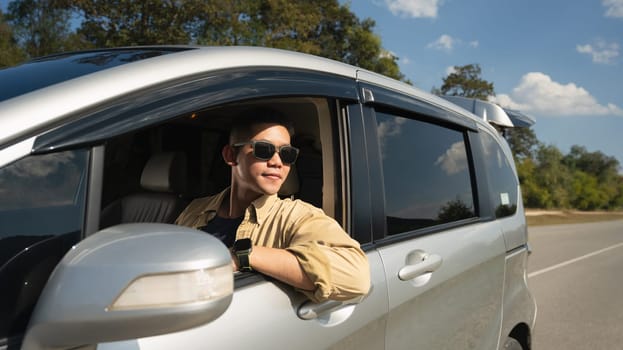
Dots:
pixel 10 53
pixel 465 81
pixel 42 27
pixel 454 210
pixel 604 167
pixel 552 177
pixel 533 196
pixel 226 23
pixel 586 193
pixel 597 177
pixel 129 22
pixel 523 142
pixel 324 28
pixel 617 199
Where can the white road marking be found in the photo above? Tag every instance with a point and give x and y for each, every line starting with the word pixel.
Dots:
pixel 568 262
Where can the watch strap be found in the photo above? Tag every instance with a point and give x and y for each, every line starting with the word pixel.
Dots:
pixel 243 261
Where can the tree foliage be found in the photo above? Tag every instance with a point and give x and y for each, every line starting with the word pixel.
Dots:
pixel 42 27
pixel 581 179
pixel 128 22
pixel 603 167
pixel 325 27
pixel 597 181
pixel 10 53
pixel 454 210
pixel 465 81
pixel 523 142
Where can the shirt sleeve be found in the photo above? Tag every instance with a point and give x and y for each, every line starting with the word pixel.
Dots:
pixel 333 261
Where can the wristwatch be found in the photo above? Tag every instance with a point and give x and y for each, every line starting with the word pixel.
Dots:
pixel 242 248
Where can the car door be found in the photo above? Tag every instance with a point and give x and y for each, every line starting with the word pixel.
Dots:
pixel 263 313
pixel 443 255
pixel 266 314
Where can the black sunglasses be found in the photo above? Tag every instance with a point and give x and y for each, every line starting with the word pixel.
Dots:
pixel 265 150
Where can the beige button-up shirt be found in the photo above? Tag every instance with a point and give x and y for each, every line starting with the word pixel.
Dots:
pixel 332 260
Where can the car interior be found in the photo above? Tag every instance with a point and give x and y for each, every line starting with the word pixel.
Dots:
pixel 151 175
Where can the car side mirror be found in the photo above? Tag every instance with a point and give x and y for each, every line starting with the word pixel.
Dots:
pixel 131 281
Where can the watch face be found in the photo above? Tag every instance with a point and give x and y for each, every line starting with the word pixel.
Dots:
pixel 242 244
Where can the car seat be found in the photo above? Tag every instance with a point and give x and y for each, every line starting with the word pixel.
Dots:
pixel 163 183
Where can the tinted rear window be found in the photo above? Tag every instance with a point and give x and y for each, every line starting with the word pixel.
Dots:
pixel 50 70
pixel 426 173
pixel 502 179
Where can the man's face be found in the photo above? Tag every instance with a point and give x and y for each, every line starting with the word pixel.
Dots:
pixel 262 176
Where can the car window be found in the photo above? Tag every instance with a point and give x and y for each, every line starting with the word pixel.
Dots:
pixel 41 214
pixel 201 136
pixel 426 173
pixel 502 179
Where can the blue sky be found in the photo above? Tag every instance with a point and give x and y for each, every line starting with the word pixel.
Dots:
pixel 556 60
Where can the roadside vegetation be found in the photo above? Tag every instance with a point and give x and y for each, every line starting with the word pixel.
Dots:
pixel 556 217
pixel 579 180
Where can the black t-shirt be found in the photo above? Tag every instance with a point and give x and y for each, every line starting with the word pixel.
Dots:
pixel 223 229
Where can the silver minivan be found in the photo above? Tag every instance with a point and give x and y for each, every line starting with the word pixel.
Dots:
pixel 100 150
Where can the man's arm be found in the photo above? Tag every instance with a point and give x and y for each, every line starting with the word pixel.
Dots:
pixel 279 264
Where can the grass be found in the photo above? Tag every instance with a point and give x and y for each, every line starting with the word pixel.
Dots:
pixel 536 217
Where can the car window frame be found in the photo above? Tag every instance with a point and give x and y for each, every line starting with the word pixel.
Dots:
pixel 151 106
pixel 411 107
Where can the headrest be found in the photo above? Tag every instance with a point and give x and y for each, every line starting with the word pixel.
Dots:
pixel 291 185
pixel 165 172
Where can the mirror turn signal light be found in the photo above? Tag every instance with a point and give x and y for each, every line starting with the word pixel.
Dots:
pixel 175 288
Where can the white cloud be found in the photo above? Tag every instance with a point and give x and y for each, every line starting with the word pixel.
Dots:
pixel 41 166
pixel 386 54
pixel 388 129
pixel 448 43
pixel 414 8
pixel 537 93
pixel 450 70
pixel 614 8
pixel 444 43
pixel 454 160
pixel 601 52
pixel 393 55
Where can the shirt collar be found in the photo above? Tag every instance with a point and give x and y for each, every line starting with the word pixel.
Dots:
pixel 215 201
pixel 261 207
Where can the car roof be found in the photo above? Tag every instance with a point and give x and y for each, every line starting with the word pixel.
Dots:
pixel 20 116
pixel 49 70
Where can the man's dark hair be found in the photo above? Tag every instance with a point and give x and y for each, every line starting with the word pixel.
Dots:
pixel 242 127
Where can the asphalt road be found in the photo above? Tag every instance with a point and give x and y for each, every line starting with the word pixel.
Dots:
pixel 576 275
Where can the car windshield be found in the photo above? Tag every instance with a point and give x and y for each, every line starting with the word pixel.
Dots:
pixel 49 70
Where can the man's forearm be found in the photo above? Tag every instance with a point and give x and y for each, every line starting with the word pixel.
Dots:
pixel 281 265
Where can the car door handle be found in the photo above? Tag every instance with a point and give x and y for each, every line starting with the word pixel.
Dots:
pixel 429 263
pixel 310 310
